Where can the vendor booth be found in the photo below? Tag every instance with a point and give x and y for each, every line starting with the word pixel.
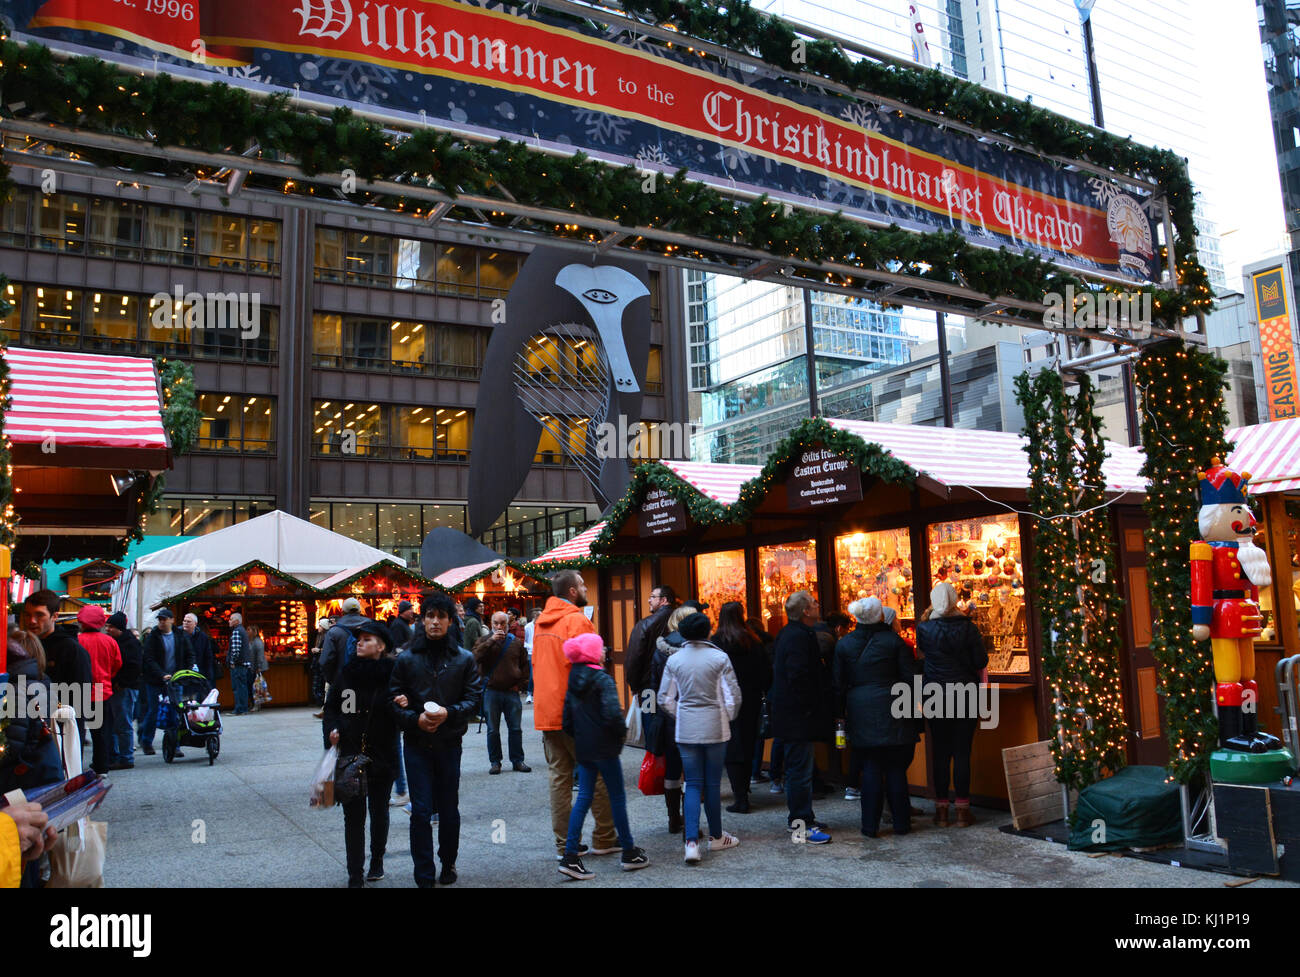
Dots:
pixel 499 584
pixel 887 511
pixel 278 605
pixel 379 588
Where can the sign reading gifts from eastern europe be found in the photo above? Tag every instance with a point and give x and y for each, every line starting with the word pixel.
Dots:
pixel 661 514
pixel 616 96
pixel 822 477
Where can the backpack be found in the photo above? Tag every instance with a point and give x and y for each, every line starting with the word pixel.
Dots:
pixel 351 649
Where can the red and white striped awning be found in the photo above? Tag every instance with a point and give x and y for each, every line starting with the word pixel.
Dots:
pixel 20 588
pixel 453 578
pixel 961 458
pixel 80 401
pixel 721 483
pixel 577 548
pixel 1270 452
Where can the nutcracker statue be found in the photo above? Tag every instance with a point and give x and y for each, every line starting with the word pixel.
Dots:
pixel 1227 571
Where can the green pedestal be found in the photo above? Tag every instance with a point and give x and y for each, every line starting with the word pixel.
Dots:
pixel 1236 767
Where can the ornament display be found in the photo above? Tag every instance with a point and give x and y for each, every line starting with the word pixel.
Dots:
pixel 876 564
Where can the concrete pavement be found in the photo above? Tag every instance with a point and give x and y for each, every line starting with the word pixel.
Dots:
pixel 246 822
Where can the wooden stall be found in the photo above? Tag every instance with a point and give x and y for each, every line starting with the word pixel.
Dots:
pixel 378 588
pixel 499 584
pixel 821 524
pixel 279 605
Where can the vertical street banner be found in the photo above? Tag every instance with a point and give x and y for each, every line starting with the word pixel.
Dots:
pixel 1270 288
pixel 569 85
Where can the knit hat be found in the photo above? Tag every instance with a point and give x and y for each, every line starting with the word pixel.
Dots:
pixel 92 616
pixel 117 620
pixel 942 600
pixel 403 607
pixel 695 627
pixel 867 610
pixel 889 615
pixel 586 648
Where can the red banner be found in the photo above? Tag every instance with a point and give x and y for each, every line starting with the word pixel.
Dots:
pixel 457 41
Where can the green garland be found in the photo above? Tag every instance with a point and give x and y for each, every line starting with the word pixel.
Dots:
pixel 8 517
pixel 91 94
pixel 1079 614
pixel 1183 419
pixel 310 591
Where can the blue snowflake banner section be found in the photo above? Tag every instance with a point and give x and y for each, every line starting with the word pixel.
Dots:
pixel 491 70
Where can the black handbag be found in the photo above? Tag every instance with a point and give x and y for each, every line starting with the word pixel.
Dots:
pixel 350 777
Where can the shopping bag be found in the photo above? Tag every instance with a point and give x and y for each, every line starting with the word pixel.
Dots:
pixel 71 868
pixel 651 781
pixel 635 734
pixel 322 785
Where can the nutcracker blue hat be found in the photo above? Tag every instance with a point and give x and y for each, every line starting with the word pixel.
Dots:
pixel 1222 485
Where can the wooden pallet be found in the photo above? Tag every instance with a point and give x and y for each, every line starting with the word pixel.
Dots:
pixel 1031 785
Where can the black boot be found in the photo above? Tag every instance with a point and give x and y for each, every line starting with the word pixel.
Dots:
pixel 673 800
pixel 1230 729
pixel 1260 742
pixel 741 805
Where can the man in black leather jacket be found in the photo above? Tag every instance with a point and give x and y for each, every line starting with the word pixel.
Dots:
pixel 438 672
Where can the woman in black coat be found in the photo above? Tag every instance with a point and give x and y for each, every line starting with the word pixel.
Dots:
pixel 955 656
pixel 870 661
pixel 754 674
pixel 359 718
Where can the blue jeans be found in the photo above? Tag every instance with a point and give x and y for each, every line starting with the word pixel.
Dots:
pixel 495 705
pixel 149 721
pixel 400 786
pixel 123 742
pixel 241 681
pixel 798 781
pixel 611 771
pixel 433 777
pixel 702 767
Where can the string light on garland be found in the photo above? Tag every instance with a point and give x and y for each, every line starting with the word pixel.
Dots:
pixel 1183 420
pixel 1077 596
pixel 8 514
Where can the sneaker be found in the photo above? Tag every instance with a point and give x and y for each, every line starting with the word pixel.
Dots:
pixel 816 836
pixel 692 852
pixel 582 850
pixel 776 787
pixel 571 865
pixel 852 794
pixel 760 778
pixel 522 767
pixel 611 850
pixel 376 870
pixel 401 800
pixel 407 808
pixel 528 701
pixel 728 840
pixel 178 755
pixel 633 859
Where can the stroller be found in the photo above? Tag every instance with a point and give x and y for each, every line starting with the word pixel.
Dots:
pixel 189 715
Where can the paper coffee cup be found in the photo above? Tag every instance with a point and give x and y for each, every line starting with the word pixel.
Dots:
pixel 431 707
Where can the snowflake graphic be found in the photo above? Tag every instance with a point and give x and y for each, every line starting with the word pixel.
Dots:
pixel 861 115
pixel 247 72
pixel 735 159
pixel 363 82
pixel 836 192
pixel 634 40
pixel 652 156
pixel 1103 191
pixel 602 127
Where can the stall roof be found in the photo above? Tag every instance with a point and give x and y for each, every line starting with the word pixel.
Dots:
pixel 961 458
pixel 458 577
pixel 1270 452
pixel 577 548
pixel 307 589
pixel 721 483
pixel 347 576
pixel 102 411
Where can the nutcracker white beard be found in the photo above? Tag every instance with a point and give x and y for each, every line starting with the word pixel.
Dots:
pixel 1255 562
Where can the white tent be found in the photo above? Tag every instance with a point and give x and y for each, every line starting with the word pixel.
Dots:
pixel 279 540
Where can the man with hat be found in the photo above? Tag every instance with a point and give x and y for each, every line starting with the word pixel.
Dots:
pixel 399 628
pixel 105 661
pixel 126 691
pixel 474 627
pixel 166 651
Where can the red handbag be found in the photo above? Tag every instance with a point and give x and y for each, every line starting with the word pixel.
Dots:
pixel 651 781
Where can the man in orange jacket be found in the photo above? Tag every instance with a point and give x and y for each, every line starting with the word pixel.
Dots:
pixel 562 618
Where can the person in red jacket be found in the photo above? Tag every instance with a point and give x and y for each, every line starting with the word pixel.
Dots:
pixel 105 660
pixel 561 619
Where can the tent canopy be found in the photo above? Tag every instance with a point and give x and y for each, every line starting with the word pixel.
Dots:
pixel 277 539
pixel 1270 452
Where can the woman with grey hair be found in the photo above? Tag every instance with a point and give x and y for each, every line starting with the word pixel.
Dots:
pixel 869 662
pixel 955 656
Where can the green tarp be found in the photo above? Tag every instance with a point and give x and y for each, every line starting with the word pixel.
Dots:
pixel 1136 808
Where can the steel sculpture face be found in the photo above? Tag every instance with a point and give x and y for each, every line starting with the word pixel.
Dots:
pixel 539 376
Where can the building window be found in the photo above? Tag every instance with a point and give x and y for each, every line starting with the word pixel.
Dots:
pixel 222 241
pixel 235 423
pixel 350 429
pixel 456 269
pixel 455 428
pixel 326 341
pixel 561 437
pixel 330 265
pixel 459 352
pixel 408 340
pixel 263 246
pixel 416 432
pixel 654 371
pixel 56 319
pixel 170 236
pixel 116 227
pixel 13 219
pixel 369 259
pixel 497 272
pixel 366 344
pixel 61 222
pixel 112 323
pixel 356 520
pixel 11 324
pixel 194 517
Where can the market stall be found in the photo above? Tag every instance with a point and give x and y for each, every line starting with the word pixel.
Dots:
pixel 872 510
pixel 279 605
pixel 499 584
pixel 379 588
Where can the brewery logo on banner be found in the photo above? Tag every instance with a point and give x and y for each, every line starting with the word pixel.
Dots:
pixel 822 477
pixel 567 86
pixel 1270 286
pixel 661 514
